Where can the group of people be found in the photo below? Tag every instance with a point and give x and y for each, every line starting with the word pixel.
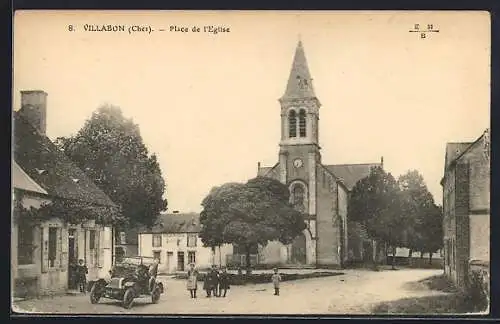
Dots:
pixel 215 283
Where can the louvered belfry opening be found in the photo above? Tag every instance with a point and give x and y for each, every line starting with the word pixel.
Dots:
pixel 292 124
pixel 302 123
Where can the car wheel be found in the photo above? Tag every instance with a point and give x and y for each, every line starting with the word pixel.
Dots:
pixel 128 298
pixel 155 295
pixel 94 295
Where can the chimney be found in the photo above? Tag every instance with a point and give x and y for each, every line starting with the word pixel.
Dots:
pixel 34 109
pixel 175 212
pixel 382 162
pixel 258 167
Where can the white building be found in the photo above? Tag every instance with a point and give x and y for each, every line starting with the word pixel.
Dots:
pixel 175 242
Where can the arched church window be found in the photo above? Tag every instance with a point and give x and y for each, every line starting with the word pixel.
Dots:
pixel 292 124
pixel 302 123
pixel 298 194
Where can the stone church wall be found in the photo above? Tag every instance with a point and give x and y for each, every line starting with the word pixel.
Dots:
pixel 328 230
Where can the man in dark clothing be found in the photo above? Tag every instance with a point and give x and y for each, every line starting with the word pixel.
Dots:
pixel 214 279
pixel 82 275
pixel 211 282
pixel 223 282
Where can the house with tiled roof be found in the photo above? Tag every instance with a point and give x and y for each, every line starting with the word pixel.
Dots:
pixel 466 208
pixel 319 190
pixel 175 242
pixel 44 251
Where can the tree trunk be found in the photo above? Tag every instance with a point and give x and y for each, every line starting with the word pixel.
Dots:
pixel 220 257
pixel 213 255
pixel 430 258
pixel 410 255
pixel 248 266
pixel 393 258
pixel 375 254
pixel 421 255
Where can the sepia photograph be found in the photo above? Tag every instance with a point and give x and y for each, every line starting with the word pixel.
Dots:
pixel 261 163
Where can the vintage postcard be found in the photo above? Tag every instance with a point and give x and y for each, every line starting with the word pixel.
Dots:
pixel 251 162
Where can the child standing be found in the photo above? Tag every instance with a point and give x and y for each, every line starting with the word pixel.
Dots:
pixel 82 275
pixel 276 278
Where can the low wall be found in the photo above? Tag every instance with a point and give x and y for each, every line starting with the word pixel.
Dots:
pixel 420 263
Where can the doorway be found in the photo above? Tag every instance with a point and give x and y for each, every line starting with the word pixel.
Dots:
pixel 72 259
pixel 180 261
pixel 169 264
pixel 299 249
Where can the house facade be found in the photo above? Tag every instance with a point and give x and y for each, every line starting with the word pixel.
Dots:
pixel 175 242
pixel 319 190
pixel 466 207
pixel 44 252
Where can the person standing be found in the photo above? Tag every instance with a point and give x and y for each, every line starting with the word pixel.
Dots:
pixel 192 280
pixel 82 276
pixel 223 282
pixel 214 279
pixel 276 278
pixel 206 284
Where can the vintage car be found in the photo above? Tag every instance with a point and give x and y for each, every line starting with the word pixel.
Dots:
pixel 128 280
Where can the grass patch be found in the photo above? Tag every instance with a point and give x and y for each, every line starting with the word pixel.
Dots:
pixel 452 302
pixel 439 283
pixel 243 279
pixel 440 304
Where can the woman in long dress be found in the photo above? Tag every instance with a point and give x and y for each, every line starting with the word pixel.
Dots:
pixel 192 280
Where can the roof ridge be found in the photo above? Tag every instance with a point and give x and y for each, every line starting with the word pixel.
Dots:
pixel 468 148
pixel 367 163
pixel 459 142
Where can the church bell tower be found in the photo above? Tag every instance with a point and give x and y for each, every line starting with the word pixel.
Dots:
pixel 299 145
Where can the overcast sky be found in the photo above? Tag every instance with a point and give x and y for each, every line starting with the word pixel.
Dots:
pixel 207 104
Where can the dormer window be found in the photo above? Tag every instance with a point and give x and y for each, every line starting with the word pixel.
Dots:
pixel 40 171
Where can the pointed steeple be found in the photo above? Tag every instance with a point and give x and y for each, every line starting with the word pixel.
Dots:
pixel 300 81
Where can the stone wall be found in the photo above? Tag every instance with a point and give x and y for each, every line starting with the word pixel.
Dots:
pixel 328 220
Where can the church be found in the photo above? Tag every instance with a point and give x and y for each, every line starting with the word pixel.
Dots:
pixel 319 190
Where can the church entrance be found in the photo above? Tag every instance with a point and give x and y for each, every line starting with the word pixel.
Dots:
pixel 299 250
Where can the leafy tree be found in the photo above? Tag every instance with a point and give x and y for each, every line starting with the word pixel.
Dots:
pixel 374 202
pixel 248 214
pixel 423 230
pixel 434 231
pixel 110 150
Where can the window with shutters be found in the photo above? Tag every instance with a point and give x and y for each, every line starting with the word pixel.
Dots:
pixel 52 246
pixel 191 240
pixel 156 240
pixel 302 123
pixel 25 243
pixel 292 124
